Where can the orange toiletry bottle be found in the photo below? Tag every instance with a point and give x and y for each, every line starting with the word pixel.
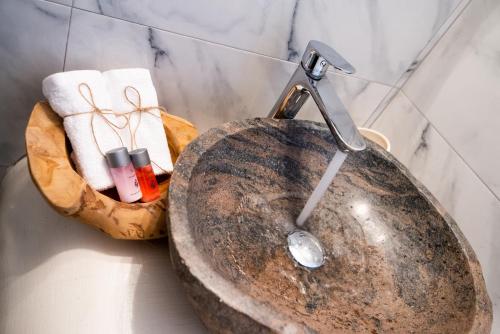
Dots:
pixel 145 175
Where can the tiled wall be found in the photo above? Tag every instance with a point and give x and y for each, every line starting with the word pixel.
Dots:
pixel 32 44
pixel 211 61
pixel 221 60
pixel 444 125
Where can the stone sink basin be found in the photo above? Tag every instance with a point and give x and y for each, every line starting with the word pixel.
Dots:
pixel 395 260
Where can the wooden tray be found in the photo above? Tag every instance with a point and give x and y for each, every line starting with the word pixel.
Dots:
pixel 55 177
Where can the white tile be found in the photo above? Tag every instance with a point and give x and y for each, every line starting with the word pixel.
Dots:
pixel 452 17
pixel 32 43
pixel 380 38
pixel 59 276
pixel 418 59
pixel 204 82
pixel 458 88
pixel 417 144
pixel 261 26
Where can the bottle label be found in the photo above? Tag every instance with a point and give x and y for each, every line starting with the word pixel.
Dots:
pixel 133 181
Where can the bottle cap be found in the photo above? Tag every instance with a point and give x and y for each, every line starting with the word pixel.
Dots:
pixel 140 157
pixel 118 157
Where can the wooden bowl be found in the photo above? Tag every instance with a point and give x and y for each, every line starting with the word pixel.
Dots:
pixel 54 175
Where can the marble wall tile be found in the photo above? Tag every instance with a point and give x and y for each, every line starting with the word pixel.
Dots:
pixel 418 59
pixel 380 38
pixel 204 82
pixel 452 17
pixel 59 276
pixel 32 45
pixel 418 145
pixel 457 87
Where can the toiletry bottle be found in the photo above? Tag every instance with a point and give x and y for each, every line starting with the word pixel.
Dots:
pixel 123 174
pixel 145 175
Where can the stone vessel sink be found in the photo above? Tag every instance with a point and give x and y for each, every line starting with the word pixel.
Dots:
pixel 395 260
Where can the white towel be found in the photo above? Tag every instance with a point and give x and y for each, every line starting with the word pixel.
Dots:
pixel 150 133
pixel 61 90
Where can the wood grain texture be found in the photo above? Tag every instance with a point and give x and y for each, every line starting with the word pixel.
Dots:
pixel 69 194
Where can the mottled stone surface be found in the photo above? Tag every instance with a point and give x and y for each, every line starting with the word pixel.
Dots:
pixel 396 262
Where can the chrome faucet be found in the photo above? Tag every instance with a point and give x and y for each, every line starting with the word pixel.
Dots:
pixel 307 81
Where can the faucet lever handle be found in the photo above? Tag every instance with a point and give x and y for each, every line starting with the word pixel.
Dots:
pixel 318 56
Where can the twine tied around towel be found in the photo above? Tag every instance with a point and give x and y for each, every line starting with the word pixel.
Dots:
pixel 140 110
pixel 126 116
pixel 99 112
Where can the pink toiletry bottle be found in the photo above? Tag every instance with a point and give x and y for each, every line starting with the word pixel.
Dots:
pixel 123 174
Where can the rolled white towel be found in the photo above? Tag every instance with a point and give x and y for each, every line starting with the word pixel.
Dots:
pixel 62 92
pixel 150 133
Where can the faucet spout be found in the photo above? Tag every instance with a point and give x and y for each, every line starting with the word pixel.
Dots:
pixel 308 80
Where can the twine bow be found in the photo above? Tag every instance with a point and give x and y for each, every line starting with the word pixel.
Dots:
pixel 101 112
pixel 140 110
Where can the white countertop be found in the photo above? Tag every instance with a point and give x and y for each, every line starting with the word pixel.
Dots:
pixel 60 276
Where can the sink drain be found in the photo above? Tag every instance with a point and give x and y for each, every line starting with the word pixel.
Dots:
pixel 306 249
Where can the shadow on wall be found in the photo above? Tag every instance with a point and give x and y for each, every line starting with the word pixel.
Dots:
pixel 37 243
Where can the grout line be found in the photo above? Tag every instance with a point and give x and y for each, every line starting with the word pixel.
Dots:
pixel 449 144
pixel 52 2
pixel 185 36
pixel 67 39
pixel 424 53
pixel 24 155
pixel 431 45
pixel 380 108
pixel 9 166
pixel 218 44
pixel 342 74
pixel 399 83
